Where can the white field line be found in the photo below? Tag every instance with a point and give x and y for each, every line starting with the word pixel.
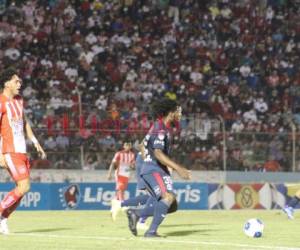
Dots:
pixel 159 240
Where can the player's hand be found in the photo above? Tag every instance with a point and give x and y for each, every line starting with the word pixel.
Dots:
pixel 184 173
pixel 40 151
pixel 109 177
pixel 2 161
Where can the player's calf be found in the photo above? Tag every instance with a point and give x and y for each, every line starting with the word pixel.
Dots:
pixel 160 212
pixel 115 209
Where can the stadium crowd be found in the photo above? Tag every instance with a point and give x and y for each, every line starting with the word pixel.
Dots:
pixel 99 64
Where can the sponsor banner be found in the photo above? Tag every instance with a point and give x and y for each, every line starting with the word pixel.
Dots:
pixel 36 199
pixel 247 196
pixel 94 196
pixel 191 195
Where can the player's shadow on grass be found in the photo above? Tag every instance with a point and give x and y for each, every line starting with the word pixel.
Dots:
pixel 46 230
pixel 188 225
pixel 189 232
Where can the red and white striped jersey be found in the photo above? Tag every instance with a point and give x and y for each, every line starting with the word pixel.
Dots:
pixel 124 159
pixel 12 125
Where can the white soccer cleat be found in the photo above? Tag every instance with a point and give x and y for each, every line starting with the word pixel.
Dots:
pixel 289 211
pixel 115 208
pixel 3 226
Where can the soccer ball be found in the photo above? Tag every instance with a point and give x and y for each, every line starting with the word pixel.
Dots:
pixel 254 228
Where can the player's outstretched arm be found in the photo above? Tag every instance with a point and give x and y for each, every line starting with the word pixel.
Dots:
pixel 31 137
pixel 112 166
pixel 165 160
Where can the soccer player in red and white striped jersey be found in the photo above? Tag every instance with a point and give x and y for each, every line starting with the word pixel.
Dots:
pixel 122 162
pixel 13 147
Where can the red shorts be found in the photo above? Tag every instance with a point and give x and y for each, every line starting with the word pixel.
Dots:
pixel 18 165
pixel 121 182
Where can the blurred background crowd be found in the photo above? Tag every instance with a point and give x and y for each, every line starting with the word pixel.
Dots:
pixel 90 67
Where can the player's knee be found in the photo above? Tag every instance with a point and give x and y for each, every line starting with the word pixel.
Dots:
pixel 173 207
pixel 23 187
pixel 169 198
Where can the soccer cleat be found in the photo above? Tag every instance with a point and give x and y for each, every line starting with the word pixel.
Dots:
pixel 289 211
pixel 115 209
pixel 132 221
pixel 4 227
pixel 150 234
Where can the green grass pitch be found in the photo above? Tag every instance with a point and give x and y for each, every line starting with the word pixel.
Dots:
pixel 93 230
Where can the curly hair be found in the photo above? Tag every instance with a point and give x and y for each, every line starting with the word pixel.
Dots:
pixel 7 74
pixel 161 108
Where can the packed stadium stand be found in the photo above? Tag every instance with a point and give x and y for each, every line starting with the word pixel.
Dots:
pixel 92 68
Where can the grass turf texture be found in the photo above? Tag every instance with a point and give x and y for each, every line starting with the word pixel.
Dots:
pixel 82 230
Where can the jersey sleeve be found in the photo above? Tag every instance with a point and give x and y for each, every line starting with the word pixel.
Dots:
pixel 116 157
pixel 159 140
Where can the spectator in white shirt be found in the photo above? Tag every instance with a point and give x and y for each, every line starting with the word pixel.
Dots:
pixel 237 126
pixel 250 116
pixel 260 106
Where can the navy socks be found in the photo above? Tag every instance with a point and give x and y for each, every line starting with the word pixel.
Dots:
pixel 160 212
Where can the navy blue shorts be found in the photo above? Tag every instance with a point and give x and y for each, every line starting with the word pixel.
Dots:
pixel 158 183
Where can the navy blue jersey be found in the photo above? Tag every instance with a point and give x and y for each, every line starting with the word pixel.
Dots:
pixel 158 137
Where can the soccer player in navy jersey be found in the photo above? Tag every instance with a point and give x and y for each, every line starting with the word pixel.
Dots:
pixel 289 207
pixel 144 202
pixel 155 173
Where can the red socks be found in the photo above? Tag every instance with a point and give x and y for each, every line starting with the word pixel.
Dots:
pixel 10 203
